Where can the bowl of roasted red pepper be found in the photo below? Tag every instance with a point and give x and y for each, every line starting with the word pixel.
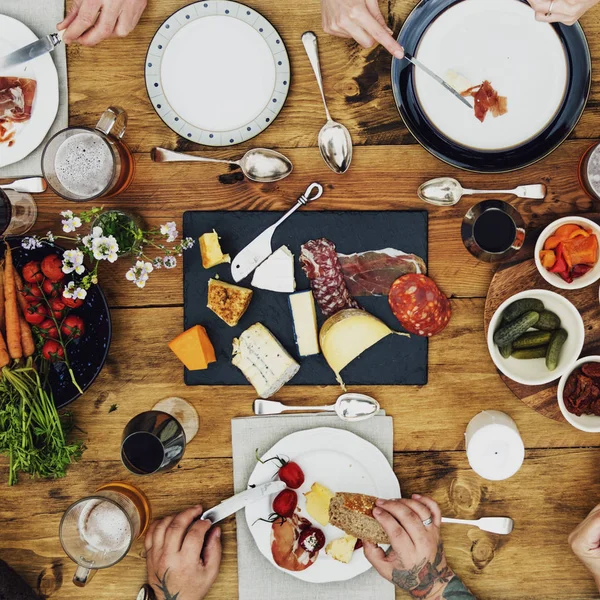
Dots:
pixel 566 253
pixel 579 394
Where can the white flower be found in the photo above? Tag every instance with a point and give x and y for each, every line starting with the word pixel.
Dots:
pixel 170 230
pixel 95 233
pixel 50 236
pixel 71 291
pixel 31 243
pixel 169 262
pixel 139 273
pixel 158 262
pixel 105 248
pixel 80 293
pixel 187 243
pixel 73 261
pixel 70 223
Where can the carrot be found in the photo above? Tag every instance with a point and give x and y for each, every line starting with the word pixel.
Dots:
pixel 4 357
pixel 2 324
pixel 13 324
pixel 20 297
pixel 26 337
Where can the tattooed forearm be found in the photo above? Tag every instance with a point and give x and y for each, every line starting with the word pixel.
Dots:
pixel 162 586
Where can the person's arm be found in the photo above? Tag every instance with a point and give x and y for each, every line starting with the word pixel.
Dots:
pixel 585 543
pixel 361 20
pixel 182 556
pixel 561 11
pixel 88 22
pixel 416 562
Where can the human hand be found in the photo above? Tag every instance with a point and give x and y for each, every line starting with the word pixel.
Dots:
pixel 361 20
pixel 416 561
pixel 91 21
pixel 561 11
pixel 585 542
pixel 182 560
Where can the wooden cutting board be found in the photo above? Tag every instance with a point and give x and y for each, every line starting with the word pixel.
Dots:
pixel 521 274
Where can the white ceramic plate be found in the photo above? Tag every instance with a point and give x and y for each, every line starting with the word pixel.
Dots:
pixel 29 135
pixel 534 371
pixel 497 40
pixel 339 460
pixel 553 278
pixel 217 72
pixel 589 423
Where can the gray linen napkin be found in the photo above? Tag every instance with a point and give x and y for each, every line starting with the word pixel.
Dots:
pixel 41 16
pixel 258 579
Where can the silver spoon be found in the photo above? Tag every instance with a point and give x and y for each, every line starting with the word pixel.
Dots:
pixel 501 525
pixel 259 164
pixel 348 407
pixel 30 185
pixel 446 191
pixel 335 142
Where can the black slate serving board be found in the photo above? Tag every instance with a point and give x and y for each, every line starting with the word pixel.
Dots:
pixel 395 360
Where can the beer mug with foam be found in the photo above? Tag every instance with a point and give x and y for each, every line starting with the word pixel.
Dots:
pixel 97 532
pixel 84 163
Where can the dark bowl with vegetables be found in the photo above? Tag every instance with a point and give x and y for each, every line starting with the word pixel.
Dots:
pixel 535 336
pixel 87 354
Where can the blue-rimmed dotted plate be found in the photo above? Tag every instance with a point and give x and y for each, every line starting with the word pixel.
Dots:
pixel 217 72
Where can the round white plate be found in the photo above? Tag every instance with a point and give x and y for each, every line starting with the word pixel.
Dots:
pixel 339 460
pixel 217 72
pixel 29 135
pixel 497 40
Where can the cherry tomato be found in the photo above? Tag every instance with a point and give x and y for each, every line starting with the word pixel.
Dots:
pixel 59 310
pixel 285 503
pixel 52 267
pixel 31 292
pixel 312 540
pixel 72 302
pixel 358 545
pixel 291 474
pixel 48 329
pixel 51 288
pixel 52 351
pixel 32 272
pixel 36 313
pixel 73 327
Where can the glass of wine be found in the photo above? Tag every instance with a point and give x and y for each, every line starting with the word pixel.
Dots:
pixel 18 212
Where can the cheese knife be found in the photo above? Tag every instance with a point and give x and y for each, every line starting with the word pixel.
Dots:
pixel 259 249
pixel 232 505
pixel 31 51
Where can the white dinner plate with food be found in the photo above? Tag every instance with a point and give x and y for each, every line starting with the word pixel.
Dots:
pixel 26 136
pixel 338 460
pixel 217 72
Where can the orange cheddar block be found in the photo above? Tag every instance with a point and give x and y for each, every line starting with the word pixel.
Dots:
pixel 193 348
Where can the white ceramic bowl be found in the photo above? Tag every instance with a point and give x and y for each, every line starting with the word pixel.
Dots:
pixel 534 371
pixel 589 423
pixel 555 279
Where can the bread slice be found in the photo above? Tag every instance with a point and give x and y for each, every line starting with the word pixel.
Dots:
pixel 228 301
pixel 353 514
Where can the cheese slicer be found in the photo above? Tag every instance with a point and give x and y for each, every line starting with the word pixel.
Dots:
pixel 260 249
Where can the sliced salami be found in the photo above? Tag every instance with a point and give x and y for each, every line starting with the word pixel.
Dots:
pixel 322 267
pixel 419 305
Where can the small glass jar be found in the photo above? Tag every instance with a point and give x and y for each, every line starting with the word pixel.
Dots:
pixel 18 212
pixel 589 171
pixel 125 227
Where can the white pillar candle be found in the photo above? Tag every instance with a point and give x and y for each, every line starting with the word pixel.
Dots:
pixel 494 447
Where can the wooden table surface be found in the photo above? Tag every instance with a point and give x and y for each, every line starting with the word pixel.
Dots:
pixel 558 483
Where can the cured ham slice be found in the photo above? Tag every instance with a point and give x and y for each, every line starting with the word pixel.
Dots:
pixel 16 99
pixel 285 544
pixel 487 100
pixel 372 273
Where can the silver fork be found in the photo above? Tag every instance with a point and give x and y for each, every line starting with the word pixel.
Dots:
pixel 501 525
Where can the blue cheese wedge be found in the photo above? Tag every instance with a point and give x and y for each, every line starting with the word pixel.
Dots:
pixel 276 274
pixel 304 319
pixel 263 360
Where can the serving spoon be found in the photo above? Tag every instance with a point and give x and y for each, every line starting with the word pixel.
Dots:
pixel 447 191
pixel 348 407
pixel 30 185
pixel 259 164
pixel 334 139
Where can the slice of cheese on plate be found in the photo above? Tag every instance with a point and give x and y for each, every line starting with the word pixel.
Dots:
pixel 317 503
pixel 347 334
pixel 304 317
pixel 276 274
pixel 342 549
pixel 263 360
pixel 193 348
pixel 210 250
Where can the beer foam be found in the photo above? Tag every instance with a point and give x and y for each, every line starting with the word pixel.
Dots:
pixel 104 526
pixel 84 165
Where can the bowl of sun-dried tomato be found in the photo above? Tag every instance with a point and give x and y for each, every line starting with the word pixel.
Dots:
pixel 579 394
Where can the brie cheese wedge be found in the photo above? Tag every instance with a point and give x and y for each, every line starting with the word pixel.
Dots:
pixel 276 274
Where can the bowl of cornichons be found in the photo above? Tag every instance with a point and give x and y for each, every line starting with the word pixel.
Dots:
pixel 535 336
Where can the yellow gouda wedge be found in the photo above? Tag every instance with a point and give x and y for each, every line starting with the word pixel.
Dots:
pixel 210 250
pixel 342 548
pixel 317 503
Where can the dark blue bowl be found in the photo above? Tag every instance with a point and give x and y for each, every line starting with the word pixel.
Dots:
pixel 87 355
pixel 579 77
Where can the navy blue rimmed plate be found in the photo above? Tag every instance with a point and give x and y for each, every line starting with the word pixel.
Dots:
pixel 87 354
pixel 578 63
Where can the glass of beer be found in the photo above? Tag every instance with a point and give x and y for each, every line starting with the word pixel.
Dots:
pixel 83 163
pixel 97 532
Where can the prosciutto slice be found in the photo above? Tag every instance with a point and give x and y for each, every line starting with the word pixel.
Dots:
pixel 372 273
pixel 487 100
pixel 16 99
pixel 285 546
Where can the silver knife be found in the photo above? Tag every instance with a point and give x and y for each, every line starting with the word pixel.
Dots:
pixel 258 250
pixel 232 505
pixel 417 63
pixel 31 51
